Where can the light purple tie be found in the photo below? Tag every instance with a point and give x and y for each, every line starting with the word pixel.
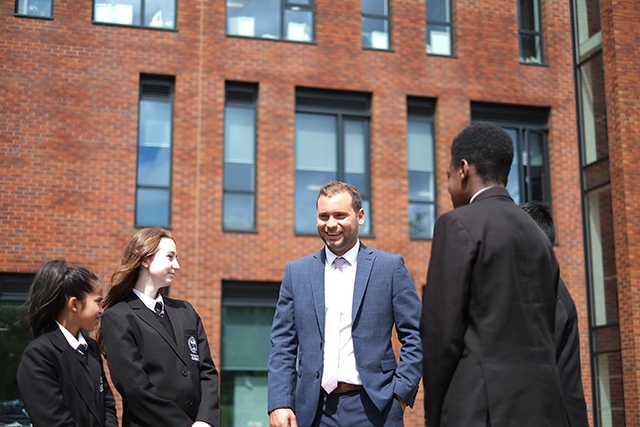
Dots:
pixel 332 338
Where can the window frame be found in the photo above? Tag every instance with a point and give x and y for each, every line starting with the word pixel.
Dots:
pixel 140 23
pixel 421 109
pixel 25 5
pixel 161 89
pixel 284 7
pixel 385 18
pixel 448 24
pixel 525 119
pixel 342 105
pixel 241 95
pixel 536 34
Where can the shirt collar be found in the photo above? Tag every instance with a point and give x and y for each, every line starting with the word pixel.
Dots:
pixel 74 342
pixel 476 195
pixel 149 302
pixel 351 255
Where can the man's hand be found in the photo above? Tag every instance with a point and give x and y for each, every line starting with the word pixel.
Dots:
pixel 282 417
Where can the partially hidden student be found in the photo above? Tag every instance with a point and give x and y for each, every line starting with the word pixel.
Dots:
pixel 156 347
pixel 61 377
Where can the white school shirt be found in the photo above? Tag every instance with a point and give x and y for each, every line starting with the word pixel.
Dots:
pixel 74 342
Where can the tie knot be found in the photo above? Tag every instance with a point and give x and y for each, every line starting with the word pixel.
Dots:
pixel 339 262
pixel 159 309
pixel 82 348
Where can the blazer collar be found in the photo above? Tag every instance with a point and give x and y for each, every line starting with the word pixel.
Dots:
pixel 492 192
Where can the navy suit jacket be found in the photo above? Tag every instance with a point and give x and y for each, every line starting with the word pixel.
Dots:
pixel 61 388
pixel 162 381
pixel 384 295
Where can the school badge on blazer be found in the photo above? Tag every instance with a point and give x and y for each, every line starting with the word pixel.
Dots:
pixel 193 347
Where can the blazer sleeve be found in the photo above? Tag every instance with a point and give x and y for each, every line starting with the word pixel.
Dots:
pixel 406 309
pixel 444 303
pixel 130 378
pixel 209 408
pixel 40 388
pixel 284 345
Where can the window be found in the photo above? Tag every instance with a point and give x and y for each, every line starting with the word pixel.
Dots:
pixel 420 166
pixel 530 31
pixel 35 8
pixel 240 157
pixel 153 195
pixel 137 13
pixel 439 33
pixel 13 340
pixel 527 126
pixel 375 24
pixel 332 143
pixel 271 19
pixel 247 314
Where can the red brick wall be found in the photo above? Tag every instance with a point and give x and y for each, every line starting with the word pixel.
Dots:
pixel 69 101
pixel 620 39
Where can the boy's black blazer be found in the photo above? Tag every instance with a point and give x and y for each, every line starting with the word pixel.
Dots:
pixel 162 381
pixel 60 387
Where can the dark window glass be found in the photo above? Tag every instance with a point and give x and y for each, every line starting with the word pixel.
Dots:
pixel 155 123
pixel 530 31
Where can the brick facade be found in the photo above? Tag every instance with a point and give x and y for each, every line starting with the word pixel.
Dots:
pixel 69 102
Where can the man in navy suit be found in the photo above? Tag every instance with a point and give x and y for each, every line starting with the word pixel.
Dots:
pixel 332 362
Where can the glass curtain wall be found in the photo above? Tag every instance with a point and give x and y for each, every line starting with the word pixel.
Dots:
pixel 604 326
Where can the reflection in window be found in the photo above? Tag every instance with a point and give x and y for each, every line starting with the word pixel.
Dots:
pixel 247 313
pixel 332 143
pixel 240 157
pixel 153 196
pixel 439 39
pixel 35 8
pixel 530 31
pixel 420 165
pixel 594 110
pixel 138 13
pixel 529 175
pixel 375 24
pixel 271 19
pixel 13 340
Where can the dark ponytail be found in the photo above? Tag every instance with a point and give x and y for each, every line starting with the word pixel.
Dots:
pixel 54 283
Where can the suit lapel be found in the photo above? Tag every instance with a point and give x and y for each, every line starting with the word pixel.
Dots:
pixel 76 369
pixel 363 271
pixel 176 324
pixel 151 319
pixel 316 281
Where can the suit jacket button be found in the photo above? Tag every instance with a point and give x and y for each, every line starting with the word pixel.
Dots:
pixel 190 402
pixel 185 373
pixel 317 374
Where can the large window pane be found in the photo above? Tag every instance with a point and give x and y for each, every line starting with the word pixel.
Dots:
pixel 152 207
pixel 375 24
pixel 439 28
pixel 35 8
pixel 271 19
pixel 240 157
pixel 594 110
pixel 140 13
pixel 530 31
pixel 153 193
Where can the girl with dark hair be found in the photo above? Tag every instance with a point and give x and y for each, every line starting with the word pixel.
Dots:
pixel 61 376
pixel 156 347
